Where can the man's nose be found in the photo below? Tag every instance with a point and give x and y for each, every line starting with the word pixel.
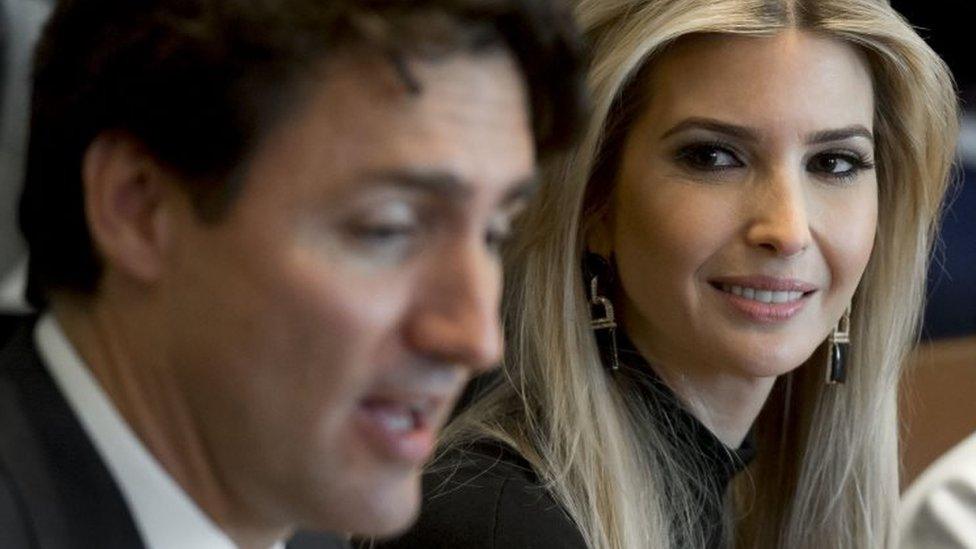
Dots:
pixel 456 316
pixel 779 213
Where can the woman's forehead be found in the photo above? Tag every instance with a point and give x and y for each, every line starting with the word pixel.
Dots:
pixel 791 78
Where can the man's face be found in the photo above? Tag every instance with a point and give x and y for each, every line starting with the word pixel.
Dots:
pixel 322 331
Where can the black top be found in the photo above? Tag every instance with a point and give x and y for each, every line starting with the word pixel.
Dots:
pixel 715 463
pixel 487 496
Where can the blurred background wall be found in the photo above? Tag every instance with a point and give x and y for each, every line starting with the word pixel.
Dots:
pixel 939 389
pixel 20 23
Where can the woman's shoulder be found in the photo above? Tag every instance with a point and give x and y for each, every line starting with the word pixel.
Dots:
pixel 486 495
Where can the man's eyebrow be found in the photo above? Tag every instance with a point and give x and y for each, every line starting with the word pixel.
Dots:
pixel 445 184
pixel 840 134
pixel 433 182
pixel 732 130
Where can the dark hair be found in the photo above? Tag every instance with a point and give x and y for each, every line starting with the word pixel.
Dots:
pixel 198 83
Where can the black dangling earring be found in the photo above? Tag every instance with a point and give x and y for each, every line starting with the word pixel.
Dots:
pixel 603 321
pixel 838 350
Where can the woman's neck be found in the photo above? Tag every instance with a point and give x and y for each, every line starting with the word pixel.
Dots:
pixel 727 405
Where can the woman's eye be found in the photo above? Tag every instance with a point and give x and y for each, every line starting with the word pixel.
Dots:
pixel 837 165
pixel 709 157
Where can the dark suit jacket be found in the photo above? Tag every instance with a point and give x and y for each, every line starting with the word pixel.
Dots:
pixel 55 492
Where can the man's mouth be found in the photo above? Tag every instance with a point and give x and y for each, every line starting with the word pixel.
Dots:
pixel 400 416
pixel 402 427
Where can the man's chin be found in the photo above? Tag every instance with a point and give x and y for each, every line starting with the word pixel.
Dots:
pixel 381 511
pixel 389 526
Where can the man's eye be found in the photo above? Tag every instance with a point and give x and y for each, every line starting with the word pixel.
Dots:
pixel 388 243
pixel 498 233
pixel 838 165
pixel 502 225
pixel 379 233
pixel 495 240
pixel 709 157
pixel 391 224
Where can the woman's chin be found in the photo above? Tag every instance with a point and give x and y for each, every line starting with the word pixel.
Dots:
pixel 768 360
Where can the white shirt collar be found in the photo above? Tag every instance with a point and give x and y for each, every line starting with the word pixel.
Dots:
pixel 164 514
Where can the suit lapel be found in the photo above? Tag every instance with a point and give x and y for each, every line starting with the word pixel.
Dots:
pixel 68 496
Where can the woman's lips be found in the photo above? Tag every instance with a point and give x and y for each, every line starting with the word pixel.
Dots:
pixel 764 299
pixel 764 282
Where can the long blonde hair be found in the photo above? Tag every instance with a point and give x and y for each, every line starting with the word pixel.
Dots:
pixel 827 471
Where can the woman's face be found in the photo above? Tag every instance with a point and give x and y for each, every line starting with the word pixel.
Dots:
pixel 746 205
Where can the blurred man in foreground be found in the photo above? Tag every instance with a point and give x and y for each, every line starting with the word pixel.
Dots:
pixel 263 243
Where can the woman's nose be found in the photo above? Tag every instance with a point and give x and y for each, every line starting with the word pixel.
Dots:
pixel 780 215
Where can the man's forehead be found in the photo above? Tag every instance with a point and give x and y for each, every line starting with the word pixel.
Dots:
pixel 421 88
pixel 469 118
pixel 466 129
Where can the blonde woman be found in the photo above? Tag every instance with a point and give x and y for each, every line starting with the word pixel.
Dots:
pixel 752 206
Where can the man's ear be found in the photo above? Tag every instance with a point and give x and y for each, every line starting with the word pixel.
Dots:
pixel 124 189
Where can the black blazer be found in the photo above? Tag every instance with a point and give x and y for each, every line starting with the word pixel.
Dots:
pixel 55 492
pixel 486 497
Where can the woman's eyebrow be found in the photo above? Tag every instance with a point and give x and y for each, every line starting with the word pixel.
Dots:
pixel 711 124
pixel 746 133
pixel 840 134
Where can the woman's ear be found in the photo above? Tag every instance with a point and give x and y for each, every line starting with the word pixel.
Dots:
pixel 123 187
pixel 599 236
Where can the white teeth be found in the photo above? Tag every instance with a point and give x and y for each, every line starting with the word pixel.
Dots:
pixel 398 423
pixel 783 297
pixel 763 296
